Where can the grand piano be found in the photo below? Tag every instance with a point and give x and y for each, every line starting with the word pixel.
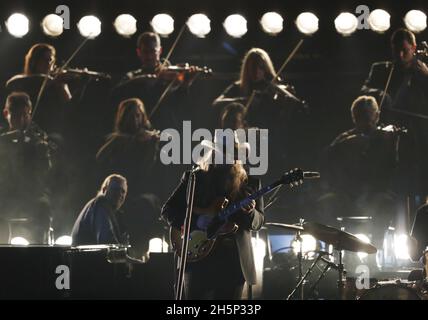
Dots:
pixel 87 272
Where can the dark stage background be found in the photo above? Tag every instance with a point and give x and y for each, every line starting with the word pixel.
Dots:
pixel 328 72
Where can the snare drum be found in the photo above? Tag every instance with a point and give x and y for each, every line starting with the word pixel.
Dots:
pixel 392 291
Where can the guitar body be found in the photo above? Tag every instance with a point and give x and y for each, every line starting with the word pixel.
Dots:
pixel 199 245
pixel 213 221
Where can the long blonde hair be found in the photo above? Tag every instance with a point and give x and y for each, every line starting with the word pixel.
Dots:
pixel 255 55
pixel 125 107
pixel 33 55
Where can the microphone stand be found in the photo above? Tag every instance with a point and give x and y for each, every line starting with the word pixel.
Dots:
pixel 190 193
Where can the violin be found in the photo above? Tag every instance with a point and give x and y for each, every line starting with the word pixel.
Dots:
pixel 281 91
pixel 75 73
pixel 424 52
pixel 182 73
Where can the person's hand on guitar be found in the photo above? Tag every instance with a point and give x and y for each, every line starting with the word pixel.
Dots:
pixel 248 209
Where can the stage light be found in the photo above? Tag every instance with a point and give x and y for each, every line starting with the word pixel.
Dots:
pixel 53 25
pixel 379 20
pixel 158 245
pixel 309 245
pixel 272 23
pixel 125 25
pixel 415 21
pixel 400 247
pixel 89 27
pixel 17 25
pixel 63 241
pixel 199 25
pixel 235 25
pixel 346 23
pixel 19 241
pixel 163 24
pixel 365 239
pixel 307 23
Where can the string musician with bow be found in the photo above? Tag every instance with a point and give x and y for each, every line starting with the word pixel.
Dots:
pixel 161 86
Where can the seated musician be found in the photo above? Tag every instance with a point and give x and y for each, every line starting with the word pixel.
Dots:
pixel 257 73
pixel 40 62
pixel 25 165
pixel 132 151
pixel 221 275
pixel 406 93
pixel 360 166
pixel 274 106
pixel 97 223
pixel 151 80
pixel 233 117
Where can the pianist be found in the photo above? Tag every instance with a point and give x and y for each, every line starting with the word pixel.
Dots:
pixel 97 223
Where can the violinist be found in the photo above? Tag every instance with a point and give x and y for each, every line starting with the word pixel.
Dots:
pixel 38 64
pixel 25 165
pixel 273 105
pixel 407 92
pixel 153 79
pixel 360 166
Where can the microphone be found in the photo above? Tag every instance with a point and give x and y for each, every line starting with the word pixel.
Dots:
pixel 330 264
pixel 195 168
pixel 311 175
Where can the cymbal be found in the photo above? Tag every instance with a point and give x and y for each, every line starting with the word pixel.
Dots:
pixel 291 227
pixel 340 240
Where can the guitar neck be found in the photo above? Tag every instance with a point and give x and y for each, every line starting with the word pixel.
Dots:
pixel 227 212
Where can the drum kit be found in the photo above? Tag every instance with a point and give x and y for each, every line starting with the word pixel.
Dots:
pixel 368 289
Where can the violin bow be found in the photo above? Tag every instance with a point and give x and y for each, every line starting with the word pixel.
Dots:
pixel 280 70
pixel 273 197
pixel 396 110
pixel 172 83
pixel 45 81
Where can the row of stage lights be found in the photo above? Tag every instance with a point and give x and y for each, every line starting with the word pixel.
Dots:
pixel 199 24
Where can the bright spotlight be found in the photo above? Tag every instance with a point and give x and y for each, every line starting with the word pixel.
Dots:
pixel 309 244
pixel 163 24
pixel 379 20
pixel 235 25
pixel 17 25
pixel 125 25
pixel 158 245
pixel 400 247
pixel 63 241
pixel 89 27
pixel 415 21
pixel 19 241
pixel 364 238
pixel 346 23
pixel 272 23
pixel 199 25
pixel 53 25
pixel 307 23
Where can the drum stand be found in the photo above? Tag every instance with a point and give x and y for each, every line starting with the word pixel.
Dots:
pixel 302 280
pixel 339 267
pixel 341 271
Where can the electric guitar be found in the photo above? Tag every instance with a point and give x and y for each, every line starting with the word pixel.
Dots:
pixel 213 222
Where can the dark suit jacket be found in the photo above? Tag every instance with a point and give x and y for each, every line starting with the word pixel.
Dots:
pixel 174 210
pixel 408 91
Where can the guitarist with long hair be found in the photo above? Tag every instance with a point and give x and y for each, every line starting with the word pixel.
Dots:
pixel 222 274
